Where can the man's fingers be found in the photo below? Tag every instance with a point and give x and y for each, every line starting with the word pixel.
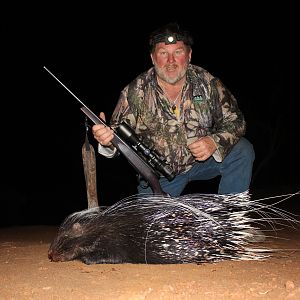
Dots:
pixel 102 116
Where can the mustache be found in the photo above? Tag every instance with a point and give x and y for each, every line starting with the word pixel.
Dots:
pixel 171 66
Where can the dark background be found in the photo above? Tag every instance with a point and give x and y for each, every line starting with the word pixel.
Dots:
pixel 95 52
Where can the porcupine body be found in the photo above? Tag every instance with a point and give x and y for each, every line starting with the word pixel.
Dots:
pixel 194 228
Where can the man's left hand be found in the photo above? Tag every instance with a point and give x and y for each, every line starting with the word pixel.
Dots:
pixel 203 148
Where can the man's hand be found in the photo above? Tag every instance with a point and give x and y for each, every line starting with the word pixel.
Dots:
pixel 103 134
pixel 203 148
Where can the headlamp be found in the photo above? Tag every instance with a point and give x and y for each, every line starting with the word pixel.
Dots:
pixel 170 34
pixel 170 39
pixel 166 38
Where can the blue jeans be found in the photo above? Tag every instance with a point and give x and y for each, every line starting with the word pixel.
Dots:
pixel 235 171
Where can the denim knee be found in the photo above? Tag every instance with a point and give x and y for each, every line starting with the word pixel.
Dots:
pixel 246 149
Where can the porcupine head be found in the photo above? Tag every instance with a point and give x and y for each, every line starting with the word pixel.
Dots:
pixel 91 238
pixel 74 236
pixel 65 246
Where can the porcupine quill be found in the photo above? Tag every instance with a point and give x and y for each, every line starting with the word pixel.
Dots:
pixel 195 228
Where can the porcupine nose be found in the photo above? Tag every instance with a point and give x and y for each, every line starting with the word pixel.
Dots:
pixel 50 255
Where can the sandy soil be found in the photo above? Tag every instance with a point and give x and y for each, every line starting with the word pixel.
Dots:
pixel 26 273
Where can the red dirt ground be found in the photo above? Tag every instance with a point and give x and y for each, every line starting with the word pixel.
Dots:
pixel 27 273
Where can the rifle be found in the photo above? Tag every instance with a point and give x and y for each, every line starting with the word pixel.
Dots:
pixel 147 169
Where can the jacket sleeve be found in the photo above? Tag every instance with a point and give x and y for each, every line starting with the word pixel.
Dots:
pixel 123 111
pixel 229 123
pixel 119 114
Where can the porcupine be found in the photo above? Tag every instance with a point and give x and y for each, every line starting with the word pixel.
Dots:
pixel 195 228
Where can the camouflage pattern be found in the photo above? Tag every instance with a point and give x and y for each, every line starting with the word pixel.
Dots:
pixel 207 109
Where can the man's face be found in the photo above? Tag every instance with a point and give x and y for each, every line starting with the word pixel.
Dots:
pixel 171 61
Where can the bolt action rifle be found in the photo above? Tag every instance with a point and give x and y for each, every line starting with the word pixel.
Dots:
pixel 148 163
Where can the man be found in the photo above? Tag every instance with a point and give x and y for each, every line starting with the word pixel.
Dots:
pixel 187 115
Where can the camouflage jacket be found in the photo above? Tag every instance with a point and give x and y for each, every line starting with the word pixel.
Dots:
pixel 207 109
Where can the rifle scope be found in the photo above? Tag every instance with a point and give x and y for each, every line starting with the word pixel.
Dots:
pixel 152 157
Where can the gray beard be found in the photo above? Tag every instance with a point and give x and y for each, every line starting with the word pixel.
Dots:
pixel 162 76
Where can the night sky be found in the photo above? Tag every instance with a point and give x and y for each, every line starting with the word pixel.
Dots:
pixel 253 51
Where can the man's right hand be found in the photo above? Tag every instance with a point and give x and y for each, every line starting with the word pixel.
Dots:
pixel 103 134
